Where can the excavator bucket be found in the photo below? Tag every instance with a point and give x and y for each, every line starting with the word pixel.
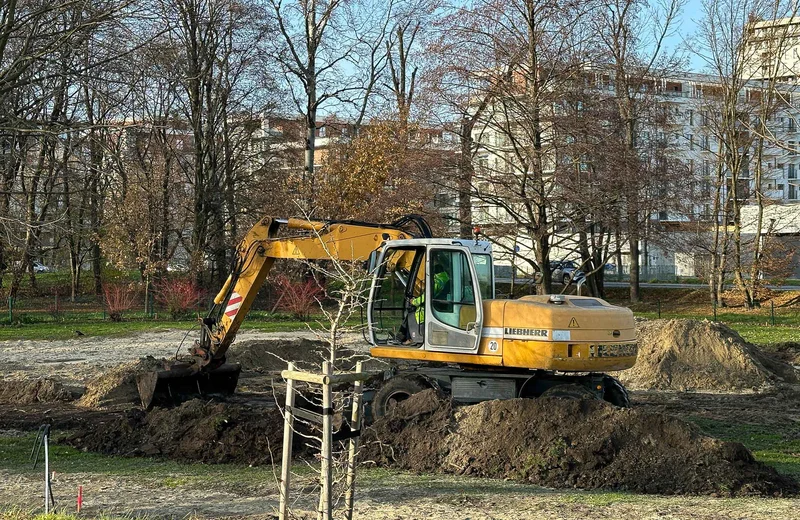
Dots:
pixel 181 382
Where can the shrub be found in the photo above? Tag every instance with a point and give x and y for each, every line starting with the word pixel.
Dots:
pixel 118 299
pixel 298 298
pixel 178 296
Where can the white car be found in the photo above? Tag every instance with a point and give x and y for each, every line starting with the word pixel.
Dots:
pixel 39 267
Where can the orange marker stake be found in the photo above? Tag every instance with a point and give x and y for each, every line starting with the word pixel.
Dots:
pixel 80 498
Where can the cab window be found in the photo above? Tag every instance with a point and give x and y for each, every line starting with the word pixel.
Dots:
pixel 401 276
pixel 451 288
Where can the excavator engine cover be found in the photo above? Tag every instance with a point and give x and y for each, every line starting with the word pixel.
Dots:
pixel 182 382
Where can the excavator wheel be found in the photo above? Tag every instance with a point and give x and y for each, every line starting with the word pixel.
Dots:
pixel 394 391
pixel 615 393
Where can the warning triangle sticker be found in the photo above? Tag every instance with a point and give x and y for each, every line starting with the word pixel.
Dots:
pixel 573 324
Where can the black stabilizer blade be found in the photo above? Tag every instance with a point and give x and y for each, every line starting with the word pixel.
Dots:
pixel 181 383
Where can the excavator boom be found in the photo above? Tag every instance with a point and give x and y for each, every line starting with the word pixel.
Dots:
pixel 207 373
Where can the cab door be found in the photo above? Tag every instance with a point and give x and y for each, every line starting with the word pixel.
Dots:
pixel 453 307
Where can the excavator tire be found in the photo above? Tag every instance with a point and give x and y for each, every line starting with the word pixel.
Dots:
pixel 395 390
pixel 569 391
pixel 615 393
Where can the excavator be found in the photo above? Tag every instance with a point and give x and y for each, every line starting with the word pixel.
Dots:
pixel 432 311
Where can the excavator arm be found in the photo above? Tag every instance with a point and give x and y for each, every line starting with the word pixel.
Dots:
pixel 255 255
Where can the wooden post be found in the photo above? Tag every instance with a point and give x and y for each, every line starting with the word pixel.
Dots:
pixel 325 502
pixel 355 423
pixel 288 436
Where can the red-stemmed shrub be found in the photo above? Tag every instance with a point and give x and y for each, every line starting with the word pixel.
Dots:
pixel 298 298
pixel 118 299
pixel 178 296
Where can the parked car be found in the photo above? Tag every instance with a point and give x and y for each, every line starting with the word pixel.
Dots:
pixel 566 272
pixel 39 267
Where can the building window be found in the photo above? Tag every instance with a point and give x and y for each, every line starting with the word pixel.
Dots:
pixel 706 168
pixel 792 192
pixel 706 145
pixel 791 126
pixel 691 117
pixel 792 148
pixel 691 141
pixel 780 187
pixel 792 171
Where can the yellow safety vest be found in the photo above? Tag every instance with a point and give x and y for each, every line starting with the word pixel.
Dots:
pixel 439 280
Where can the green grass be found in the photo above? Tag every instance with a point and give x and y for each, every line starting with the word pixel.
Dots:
pixel 779 448
pixel 55 330
pixel 15 453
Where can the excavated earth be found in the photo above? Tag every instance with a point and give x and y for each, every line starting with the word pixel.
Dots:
pixel 196 431
pixel 28 391
pixel 701 356
pixel 564 443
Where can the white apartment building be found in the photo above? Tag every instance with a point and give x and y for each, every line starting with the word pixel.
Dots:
pixel 773 46
pixel 689 134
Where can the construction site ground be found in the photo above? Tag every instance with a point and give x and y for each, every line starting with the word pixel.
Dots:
pixel 767 422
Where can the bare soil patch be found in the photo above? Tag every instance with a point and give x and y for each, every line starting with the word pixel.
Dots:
pixel 27 391
pixel 567 443
pixel 272 355
pixel 788 352
pixel 701 355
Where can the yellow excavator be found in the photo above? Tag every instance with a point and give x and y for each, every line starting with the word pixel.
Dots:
pixel 432 304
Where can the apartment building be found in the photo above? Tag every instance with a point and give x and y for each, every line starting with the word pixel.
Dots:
pixel 689 132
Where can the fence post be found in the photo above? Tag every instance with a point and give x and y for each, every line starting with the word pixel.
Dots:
pixel 11 309
pixel 772 311
pixel 327 442
pixel 659 309
pixel 288 435
pixel 715 310
pixel 355 421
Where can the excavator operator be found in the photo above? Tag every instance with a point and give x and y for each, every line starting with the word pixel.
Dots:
pixel 412 333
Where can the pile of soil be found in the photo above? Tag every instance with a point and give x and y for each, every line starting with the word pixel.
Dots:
pixel 195 431
pixel 701 355
pixel 566 443
pixel 116 387
pixel 273 355
pixel 28 391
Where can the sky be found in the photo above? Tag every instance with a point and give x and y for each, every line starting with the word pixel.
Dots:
pixel 686 28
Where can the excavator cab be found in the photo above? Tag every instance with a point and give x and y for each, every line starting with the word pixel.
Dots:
pixel 428 294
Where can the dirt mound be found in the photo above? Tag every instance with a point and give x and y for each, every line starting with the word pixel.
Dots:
pixel 27 391
pixel 194 431
pixel 701 355
pixel 567 443
pixel 116 387
pixel 273 355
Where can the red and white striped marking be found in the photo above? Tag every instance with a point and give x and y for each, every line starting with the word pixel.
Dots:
pixel 233 305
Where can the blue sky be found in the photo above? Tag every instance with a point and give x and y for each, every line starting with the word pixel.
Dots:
pixel 686 28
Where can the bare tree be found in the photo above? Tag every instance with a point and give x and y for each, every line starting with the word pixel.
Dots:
pixel 632 35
